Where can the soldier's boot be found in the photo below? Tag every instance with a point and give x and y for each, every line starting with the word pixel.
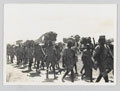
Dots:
pixel 29 67
pixel 72 75
pixel 91 79
pixel 64 76
pixel 106 78
pixel 76 69
pixel 38 70
pixel 99 78
pixel 47 74
pixel 55 77
pixel 82 76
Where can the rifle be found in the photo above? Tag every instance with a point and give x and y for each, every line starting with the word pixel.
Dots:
pixel 94 42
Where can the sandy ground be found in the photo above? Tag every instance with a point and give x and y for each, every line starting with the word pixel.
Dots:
pixel 15 75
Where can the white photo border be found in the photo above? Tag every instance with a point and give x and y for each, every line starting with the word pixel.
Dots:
pixel 79 87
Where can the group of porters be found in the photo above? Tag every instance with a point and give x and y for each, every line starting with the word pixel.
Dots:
pixel 48 56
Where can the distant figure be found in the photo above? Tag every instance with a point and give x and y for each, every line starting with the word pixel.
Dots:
pixel 12 53
pixel 68 61
pixel 19 54
pixel 8 52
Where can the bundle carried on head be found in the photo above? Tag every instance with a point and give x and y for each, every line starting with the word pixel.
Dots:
pixel 29 43
pixel 51 36
pixel 66 40
pixel 85 40
pixel 18 42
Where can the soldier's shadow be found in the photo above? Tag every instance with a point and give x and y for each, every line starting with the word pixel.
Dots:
pixel 34 74
pixel 48 80
pixel 51 72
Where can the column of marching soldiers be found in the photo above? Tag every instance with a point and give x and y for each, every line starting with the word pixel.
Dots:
pixel 60 57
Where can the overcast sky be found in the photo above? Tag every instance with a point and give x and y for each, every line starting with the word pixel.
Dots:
pixel 30 21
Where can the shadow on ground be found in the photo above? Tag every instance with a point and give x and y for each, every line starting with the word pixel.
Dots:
pixel 48 80
pixel 34 74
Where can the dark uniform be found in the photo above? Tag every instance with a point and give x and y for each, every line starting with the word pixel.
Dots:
pixel 103 58
pixel 51 58
pixel 38 54
pixel 19 54
pixel 75 48
pixel 68 61
pixel 88 63
pixel 12 54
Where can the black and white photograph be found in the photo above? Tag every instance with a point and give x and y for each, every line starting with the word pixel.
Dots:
pixel 60 44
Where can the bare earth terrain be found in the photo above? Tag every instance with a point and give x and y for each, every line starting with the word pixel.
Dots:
pixel 15 75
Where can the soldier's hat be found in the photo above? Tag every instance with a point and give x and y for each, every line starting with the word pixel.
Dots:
pixel 102 39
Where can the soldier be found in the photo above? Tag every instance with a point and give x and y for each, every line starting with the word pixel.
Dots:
pixel 12 53
pixel 88 63
pixel 30 57
pixel 19 54
pixel 38 53
pixel 8 52
pixel 101 56
pixel 111 48
pixel 51 58
pixel 68 61
pixel 83 48
pixel 58 52
pixel 25 61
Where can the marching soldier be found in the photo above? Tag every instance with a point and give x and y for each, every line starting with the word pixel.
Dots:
pixel 68 61
pixel 30 57
pixel 25 61
pixel 38 53
pixel 8 52
pixel 58 52
pixel 51 58
pixel 12 53
pixel 102 58
pixel 88 63
pixel 19 54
